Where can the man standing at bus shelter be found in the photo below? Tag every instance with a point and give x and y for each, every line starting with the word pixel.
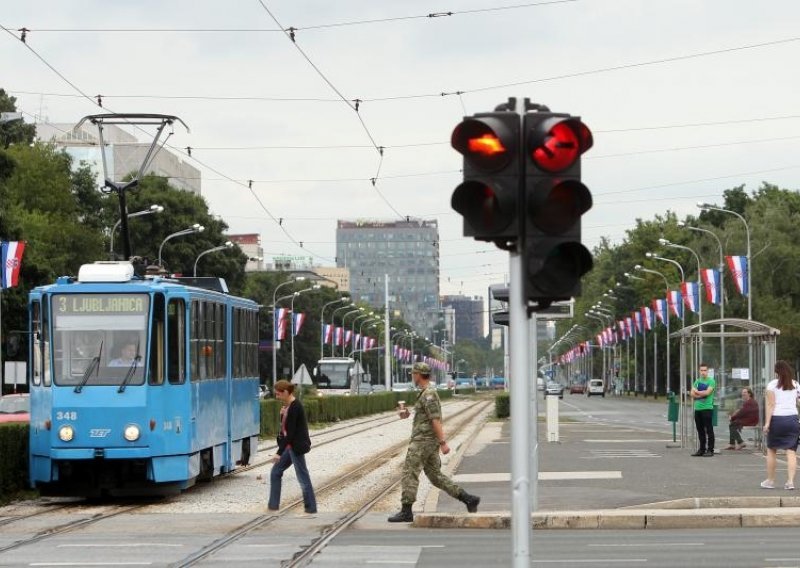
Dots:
pixel 427 439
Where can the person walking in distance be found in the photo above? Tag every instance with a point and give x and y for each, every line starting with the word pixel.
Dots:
pixel 702 393
pixel 780 424
pixel 293 444
pixel 427 439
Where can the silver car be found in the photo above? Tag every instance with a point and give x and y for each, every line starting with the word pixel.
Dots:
pixel 555 389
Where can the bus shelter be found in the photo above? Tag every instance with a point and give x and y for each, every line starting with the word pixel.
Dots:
pixel 739 353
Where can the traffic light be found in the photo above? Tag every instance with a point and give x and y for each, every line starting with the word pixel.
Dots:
pixel 488 198
pixel 554 258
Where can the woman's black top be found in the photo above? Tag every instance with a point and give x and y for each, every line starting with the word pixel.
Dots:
pixel 296 430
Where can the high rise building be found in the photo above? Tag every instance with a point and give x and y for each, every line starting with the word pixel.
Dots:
pixel 408 252
pixel 468 316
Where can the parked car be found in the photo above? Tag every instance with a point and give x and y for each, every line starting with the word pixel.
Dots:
pixel 577 388
pixel 554 389
pixel 15 408
pixel 596 387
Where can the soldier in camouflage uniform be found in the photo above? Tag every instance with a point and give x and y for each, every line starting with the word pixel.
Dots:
pixel 427 438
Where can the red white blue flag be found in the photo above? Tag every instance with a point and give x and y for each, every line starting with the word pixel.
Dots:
pixel 691 295
pixel 637 318
pixel 738 267
pixel 675 303
pixel 327 333
pixel 280 323
pixel 711 283
pixel 647 316
pixel 10 263
pixel 297 322
pixel 660 308
pixel 337 335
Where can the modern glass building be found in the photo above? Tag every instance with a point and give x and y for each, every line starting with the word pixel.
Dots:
pixel 408 252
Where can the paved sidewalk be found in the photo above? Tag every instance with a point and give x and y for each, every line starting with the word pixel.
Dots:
pixel 609 476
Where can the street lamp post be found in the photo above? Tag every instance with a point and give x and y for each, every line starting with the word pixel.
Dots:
pixel 291 327
pixel 721 297
pixel 333 326
pixel 322 324
pixel 196 228
pixel 706 206
pixel 665 242
pixel 683 312
pixel 353 328
pixel 227 245
pixel 149 211
pixel 344 327
pixel 275 326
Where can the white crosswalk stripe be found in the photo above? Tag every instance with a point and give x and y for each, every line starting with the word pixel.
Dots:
pixel 620 453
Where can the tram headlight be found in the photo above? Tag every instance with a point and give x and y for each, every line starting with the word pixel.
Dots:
pixel 131 432
pixel 66 433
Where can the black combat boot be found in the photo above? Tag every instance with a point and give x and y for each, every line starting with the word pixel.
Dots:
pixel 471 501
pixel 404 516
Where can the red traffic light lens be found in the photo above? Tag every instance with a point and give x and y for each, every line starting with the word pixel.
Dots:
pixel 556 209
pixel 564 142
pixel 483 207
pixel 486 143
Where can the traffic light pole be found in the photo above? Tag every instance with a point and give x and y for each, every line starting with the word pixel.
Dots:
pixel 520 391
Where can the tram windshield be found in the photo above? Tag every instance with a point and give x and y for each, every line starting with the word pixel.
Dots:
pixel 334 375
pixel 99 339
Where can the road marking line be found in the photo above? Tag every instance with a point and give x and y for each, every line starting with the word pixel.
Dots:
pixel 543 475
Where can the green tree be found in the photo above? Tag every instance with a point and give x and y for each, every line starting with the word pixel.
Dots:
pixel 14 131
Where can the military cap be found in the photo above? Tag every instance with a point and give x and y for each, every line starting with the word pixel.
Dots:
pixel 421 368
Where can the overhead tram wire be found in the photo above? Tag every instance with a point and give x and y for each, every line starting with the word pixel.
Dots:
pixel 429 16
pixel 177 150
pixel 290 35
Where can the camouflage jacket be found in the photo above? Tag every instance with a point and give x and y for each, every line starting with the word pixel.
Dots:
pixel 426 409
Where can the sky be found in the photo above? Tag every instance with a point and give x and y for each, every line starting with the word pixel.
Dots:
pixel 685 98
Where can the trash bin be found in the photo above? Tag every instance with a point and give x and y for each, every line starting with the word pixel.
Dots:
pixel 672 407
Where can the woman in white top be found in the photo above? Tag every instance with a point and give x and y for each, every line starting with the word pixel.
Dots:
pixel 780 423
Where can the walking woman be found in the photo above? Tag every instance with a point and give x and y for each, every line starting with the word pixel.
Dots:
pixel 293 444
pixel 780 424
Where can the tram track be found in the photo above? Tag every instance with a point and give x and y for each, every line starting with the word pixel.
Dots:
pixel 352 475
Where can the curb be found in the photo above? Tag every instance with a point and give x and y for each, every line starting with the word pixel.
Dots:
pixel 622 519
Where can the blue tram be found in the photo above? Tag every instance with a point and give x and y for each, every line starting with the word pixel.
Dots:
pixel 184 405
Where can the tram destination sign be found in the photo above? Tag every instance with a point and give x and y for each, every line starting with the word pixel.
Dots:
pixel 101 304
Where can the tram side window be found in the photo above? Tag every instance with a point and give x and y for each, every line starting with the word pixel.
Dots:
pixel 46 344
pixel 157 341
pixel 176 341
pixel 36 343
pixel 236 331
pixel 220 341
pixel 196 331
pixel 208 337
pixel 252 338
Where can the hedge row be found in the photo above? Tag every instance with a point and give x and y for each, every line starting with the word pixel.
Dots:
pixel 13 458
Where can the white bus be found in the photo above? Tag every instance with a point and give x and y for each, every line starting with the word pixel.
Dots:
pixel 341 376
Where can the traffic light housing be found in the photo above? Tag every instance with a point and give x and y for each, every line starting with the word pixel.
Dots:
pixel 488 197
pixel 554 199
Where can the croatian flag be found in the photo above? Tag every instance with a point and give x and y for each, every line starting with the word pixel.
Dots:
pixel 623 331
pixel 637 317
pixel 347 335
pixel 280 324
pixel 675 303
pixel 297 322
pixel 710 278
pixel 629 325
pixel 691 295
pixel 647 316
pixel 327 333
pixel 738 267
pixel 10 263
pixel 337 335
pixel 660 307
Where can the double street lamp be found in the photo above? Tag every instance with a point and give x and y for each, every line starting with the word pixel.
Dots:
pixel 708 207
pixel 149 211
pixel 275 325
pixel 291 315
pixel 196 228
pixel 226 246
pixel 322 323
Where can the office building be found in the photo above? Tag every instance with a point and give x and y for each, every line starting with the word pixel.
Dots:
pixel 468 316
pixel 408 252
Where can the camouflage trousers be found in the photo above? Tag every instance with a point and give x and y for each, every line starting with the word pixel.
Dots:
pixel 424 456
